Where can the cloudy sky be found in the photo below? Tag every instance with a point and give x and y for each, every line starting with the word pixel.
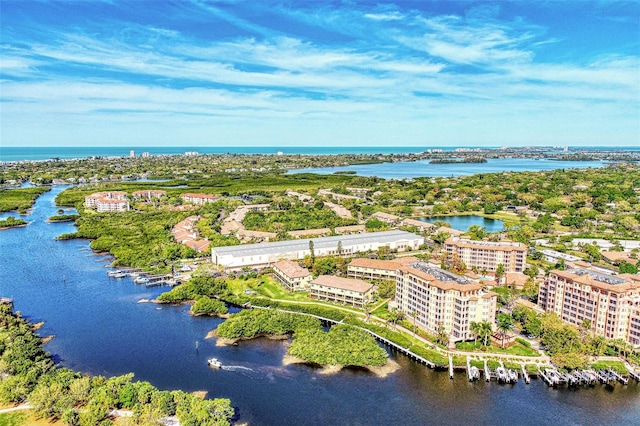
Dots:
pixel 319 73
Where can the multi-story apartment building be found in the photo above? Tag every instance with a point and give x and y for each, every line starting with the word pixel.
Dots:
pixel 329 288
pixel 198 199
pixel 610 302
pixel 374 269
pixel 112 201
pixel 487 255
pixel 149 194
pixel 438 298
pixel 291 275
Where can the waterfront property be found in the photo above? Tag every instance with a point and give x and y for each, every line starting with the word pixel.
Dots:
pixel 265 254
pixel 438 298
pixel 291 275
pixel 374 269
pixel 487 255
pixel 110 201
pixel 356 293
pixel 610 302
pixel 422 226
pixel 198 199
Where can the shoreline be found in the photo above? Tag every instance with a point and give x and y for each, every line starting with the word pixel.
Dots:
pixel 381 372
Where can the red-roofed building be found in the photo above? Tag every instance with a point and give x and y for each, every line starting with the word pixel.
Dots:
pixel 291 275
pixel 111 201
pixel 347 291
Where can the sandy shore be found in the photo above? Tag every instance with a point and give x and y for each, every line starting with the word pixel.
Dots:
pixel 382 371
pixel 227 342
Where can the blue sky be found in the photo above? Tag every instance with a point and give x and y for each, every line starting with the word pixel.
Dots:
pixel 320 73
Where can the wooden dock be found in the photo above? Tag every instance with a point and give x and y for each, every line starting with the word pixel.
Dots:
pixel 527 380
pixel 450 367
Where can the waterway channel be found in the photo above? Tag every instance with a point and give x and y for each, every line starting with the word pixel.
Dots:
pixel 101 328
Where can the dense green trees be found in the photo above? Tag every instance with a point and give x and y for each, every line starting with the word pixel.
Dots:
pixel 11 222
pixel 20 199
pixel 197 286
pixel 136 239
pixel 254 322
pixel 296 218
pixel 207 306
pixel 342 345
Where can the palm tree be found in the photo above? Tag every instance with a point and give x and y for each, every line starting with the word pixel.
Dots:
pixel 505 324
pixel 476 329
pixel 396 315
pixel 484 331
pixel 414 315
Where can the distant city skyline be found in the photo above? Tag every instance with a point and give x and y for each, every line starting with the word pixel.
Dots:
pixel 300 73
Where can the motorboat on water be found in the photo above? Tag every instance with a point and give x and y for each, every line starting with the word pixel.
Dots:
pixel 214 362
pixel 141 280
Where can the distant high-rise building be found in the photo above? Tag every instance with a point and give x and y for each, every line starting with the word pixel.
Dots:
pixel 132 153
pixel 146 155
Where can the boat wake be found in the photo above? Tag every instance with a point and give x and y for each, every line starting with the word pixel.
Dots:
pixel 236 368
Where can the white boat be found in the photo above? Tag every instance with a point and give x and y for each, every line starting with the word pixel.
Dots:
pixel 141 280
pixel 214 362
pixel 117 273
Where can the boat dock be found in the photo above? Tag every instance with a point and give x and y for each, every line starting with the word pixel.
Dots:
pixel 632 372
pixel 450 367
pixel 472 371
pixel 527 380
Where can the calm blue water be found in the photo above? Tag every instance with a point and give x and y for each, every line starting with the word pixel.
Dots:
pixel 44 153
pixel 463 223
pixel 101 328
pixel 404 170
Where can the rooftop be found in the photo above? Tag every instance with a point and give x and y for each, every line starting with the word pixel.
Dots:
pixel 342 283
pixel 319 243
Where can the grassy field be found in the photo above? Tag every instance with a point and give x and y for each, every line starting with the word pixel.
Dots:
pixel 516 349
pixel 617 366
pixel 23 418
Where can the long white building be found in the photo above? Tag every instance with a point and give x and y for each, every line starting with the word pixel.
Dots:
pixel 265 254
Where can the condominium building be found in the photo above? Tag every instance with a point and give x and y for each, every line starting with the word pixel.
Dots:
pixel 374 269
pixel 610 302
pixel 198 199
pixel 291 275
pixel 434 298
pixel 264 254
pixel 110 201
pixel 149 194
pixel 487 255
pixel 329 288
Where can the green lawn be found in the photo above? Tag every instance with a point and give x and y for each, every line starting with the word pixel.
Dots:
pixel 516 349
pixel 617 366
